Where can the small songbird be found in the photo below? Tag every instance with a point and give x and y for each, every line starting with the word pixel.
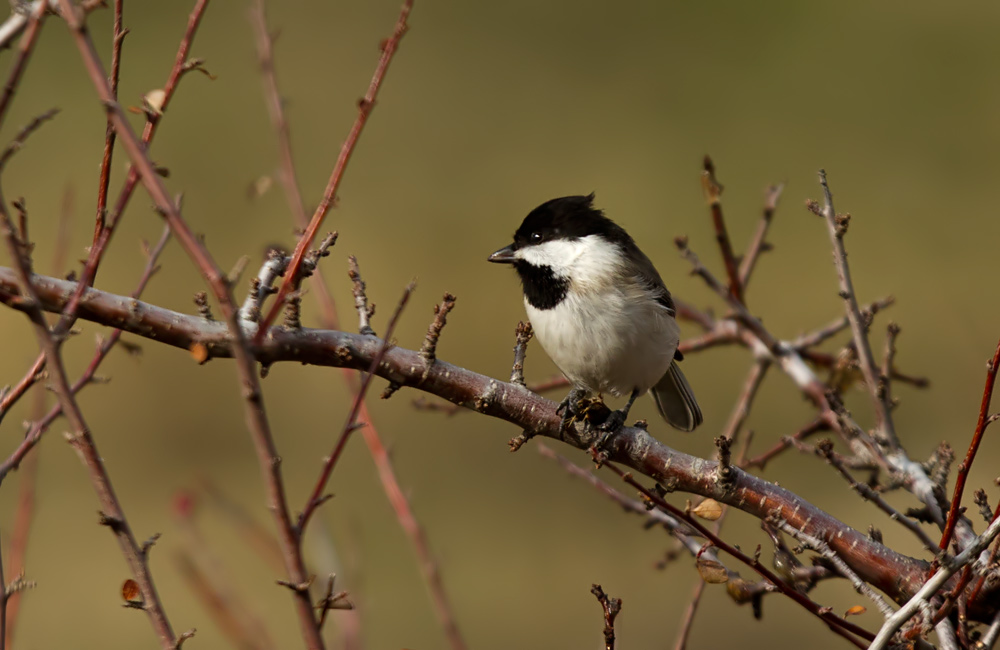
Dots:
pixel 600 310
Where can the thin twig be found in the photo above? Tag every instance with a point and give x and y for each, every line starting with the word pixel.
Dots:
pixel 99 247
pixel 817 425
pixel 830 330
pixel 970 455
pixel 328 310
pixel 825 449
pixel 713 193
pixel 824 549
pixel 359 290
pixel 118 38
pixel 522 335
pixel 840 627
pixel 80 438
pixel 40 426
pixel 256 415
pixel 687 622
pixel 923 596
pixel 365 107
pixel 759 244
pixel 317 497
pixel 742 409
pixel 612 607
pixel 27 44
pixel 837 227
pixel 428 351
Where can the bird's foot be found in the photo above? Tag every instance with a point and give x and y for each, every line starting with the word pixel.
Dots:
pixel 611 425
pixel 571 408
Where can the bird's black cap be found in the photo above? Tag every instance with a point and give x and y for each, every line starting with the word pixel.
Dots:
pixel 568 217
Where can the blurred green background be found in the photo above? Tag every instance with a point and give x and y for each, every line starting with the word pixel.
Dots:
pixel 488 110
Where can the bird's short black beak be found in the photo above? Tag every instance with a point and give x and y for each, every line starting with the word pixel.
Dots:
pixel 503 256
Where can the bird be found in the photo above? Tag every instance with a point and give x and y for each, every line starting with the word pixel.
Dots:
pixel 600 310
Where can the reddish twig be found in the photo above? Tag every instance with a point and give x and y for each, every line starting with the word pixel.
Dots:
pixel 27 44
pixel 208 579
pixel 10 397
pixel 413 529
pixel 24 514
pixel 317 498
pixel 118 38
pixel 231 622
pixel 25 510
pixel 970 455
pixel 276 110
pixel 132 179
pixel 713 192
pixel 39 427
pixel 365 107
pixel 81 439
pixel 101 242
pixel 256 415
pixel 328 311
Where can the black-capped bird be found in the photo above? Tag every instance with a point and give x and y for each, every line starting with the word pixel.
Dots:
pixel 600 310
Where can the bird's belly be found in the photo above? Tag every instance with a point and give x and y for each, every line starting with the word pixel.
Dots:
pixel 613 345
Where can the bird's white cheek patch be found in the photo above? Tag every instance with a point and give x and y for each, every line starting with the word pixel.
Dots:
pixel 587 260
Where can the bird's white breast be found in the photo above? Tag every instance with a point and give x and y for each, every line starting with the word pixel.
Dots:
pixel 608 334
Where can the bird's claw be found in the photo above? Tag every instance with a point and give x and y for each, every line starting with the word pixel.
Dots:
pixel 611 426
pixel 570 409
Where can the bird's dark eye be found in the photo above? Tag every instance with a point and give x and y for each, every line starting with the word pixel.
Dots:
pixel 535 237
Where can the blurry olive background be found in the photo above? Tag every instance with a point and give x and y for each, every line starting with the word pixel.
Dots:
pixel 488 110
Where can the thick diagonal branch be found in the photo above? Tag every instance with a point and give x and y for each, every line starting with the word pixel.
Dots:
pixel 895 574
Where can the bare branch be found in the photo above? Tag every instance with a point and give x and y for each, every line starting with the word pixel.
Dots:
pixel 612 607
pixel 713 193
pixel 256 416
pixel 759 244
pixel 977 437
pixel 365 107
pixel 936 582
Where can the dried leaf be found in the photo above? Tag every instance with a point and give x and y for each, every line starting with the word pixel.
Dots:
pixel 199 352
pixel 712 572
pixel 130 591
pixel 709 509
pixel 854 611
pixel 153 101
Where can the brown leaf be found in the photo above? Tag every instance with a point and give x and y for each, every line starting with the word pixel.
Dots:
pixel 854 611
pixel 709 509
pixel 130 591
pixel 712 572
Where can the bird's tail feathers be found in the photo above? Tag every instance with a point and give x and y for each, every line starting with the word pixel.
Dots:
pixel 675 400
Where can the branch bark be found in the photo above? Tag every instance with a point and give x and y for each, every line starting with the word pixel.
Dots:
pixel 895 574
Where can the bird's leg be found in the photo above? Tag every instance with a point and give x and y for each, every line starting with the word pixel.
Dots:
pixel 569 408
pixel 615 421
